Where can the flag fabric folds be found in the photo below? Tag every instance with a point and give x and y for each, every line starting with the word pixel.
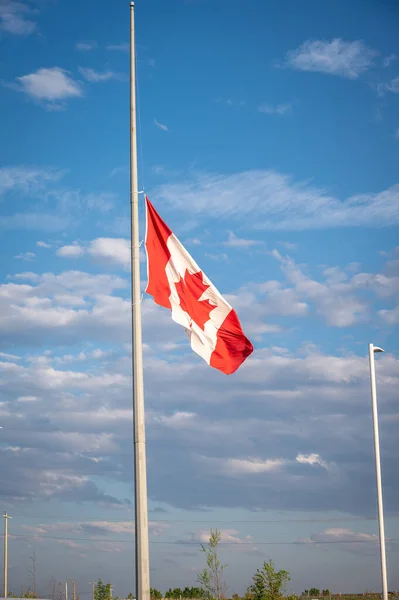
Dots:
pixel 176 282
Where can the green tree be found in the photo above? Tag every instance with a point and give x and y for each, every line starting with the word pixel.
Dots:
pixel 326 592
pixel 102 591
pixel 174 593
pixel 211 578
pixel 155 594
pixel 269 584
pixel 314 592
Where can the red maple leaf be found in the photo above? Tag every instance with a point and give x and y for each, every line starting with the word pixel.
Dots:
pixel 190 290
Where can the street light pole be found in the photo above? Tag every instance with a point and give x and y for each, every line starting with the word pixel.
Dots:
pixel 372 351
pixel 6 517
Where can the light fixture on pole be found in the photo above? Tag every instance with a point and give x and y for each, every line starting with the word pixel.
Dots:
pixel 372 350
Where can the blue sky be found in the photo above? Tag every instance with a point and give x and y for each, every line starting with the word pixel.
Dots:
pixel 269 142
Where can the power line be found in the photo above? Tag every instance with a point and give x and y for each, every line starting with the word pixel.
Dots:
pixel 197 543
pixel 91 519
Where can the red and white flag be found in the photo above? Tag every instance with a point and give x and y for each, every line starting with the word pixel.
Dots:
pixel 176 282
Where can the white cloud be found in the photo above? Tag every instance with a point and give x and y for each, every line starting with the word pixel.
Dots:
pixel 9 356
pixel 390 316
pixel 14 17
pixel 229 101
pixel 41 244
pixel 27 399
pixel 337 57
pixel 389 59
pixel 226 536
pixel 352 541
pixel 27 256
pixel 178 419
pixel 236 466
pixel 119 47
pixel 113 250
pixel 51 85
pixel 85 46
pixel 36 221
pixel 95 528
pixel 278 202
pixel 119 171
pixel 278 109
pixel 335 299
pixel 96 76
pixel 161 126
pixel 311 459
pixel 392 86
pixel 27 179
pixel 72 251
pixel 288 245
pixel 237 242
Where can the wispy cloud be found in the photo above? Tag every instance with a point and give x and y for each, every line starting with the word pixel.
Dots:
pixel 27 179
pixel 15 17
pixel 49 85
pixel 119 171
pixel 41 244
pixel 235 466
pixel 287 245
pixel 237 242
pixel 336 57
pixel 278 202
pixel 355 542
pixel 161 125
pixel 85 46
pixel 39 221
pixel 27 256
pixel 123 47
pixel 277 109
pixel 229 101
pixel 389 59
pixel 95 76
pixel 391 86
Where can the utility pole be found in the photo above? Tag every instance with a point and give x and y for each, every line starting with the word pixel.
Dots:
pixel 6 517
pixel 74 589
pixel 66 590
pixel 60 590
pixel 93 587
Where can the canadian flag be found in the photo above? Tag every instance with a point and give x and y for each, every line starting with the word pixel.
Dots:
pixel 176 282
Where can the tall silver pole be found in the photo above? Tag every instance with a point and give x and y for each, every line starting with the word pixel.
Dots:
pixel 6 517
pixel 141 509
pixel 372 350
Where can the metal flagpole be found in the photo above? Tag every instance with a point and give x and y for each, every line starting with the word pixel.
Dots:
pixel 141 509
pixel 372 350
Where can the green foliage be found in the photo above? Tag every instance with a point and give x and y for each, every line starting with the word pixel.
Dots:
pixel 269 584
pixel 174 593
pixel 314 592
pixel 102 591
pixel 155 594
pixel 211 578
pixel 326 593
